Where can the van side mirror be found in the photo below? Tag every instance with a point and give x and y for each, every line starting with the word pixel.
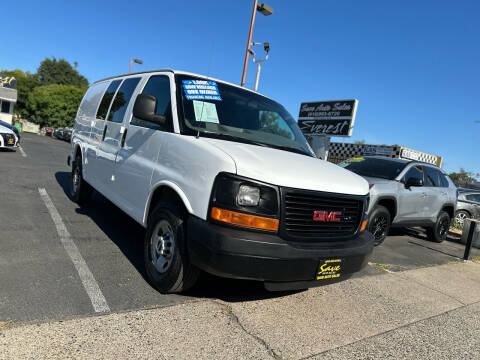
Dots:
pixel 145 108
pixel 413 181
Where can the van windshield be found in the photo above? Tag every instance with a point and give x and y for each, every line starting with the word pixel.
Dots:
pixel 214 109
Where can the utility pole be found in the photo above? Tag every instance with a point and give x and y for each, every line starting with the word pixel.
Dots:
pixel 265 10
pixel 266 47
pixel 132 60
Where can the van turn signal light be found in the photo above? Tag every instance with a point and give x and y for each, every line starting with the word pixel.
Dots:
pixel 364 225
pixel 245 220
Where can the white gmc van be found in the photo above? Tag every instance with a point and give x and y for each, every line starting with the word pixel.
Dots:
pixel 222 179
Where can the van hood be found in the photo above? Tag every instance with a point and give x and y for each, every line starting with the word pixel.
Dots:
pixel 284 168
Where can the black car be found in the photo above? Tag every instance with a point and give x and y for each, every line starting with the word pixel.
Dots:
pixel 67 134
pixel 58 133
pixel 11 127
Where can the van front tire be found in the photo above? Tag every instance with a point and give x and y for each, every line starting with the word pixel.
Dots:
pixel 165 255
pixel 80 190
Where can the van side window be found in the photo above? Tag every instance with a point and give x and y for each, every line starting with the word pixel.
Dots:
pixel 120 103
pixel 107 98
pixel 90 100
pixel 158 86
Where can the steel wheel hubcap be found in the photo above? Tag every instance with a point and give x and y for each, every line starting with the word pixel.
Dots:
pixel 162 246
pixel 76 180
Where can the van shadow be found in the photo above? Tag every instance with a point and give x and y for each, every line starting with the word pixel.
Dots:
pixel 128 236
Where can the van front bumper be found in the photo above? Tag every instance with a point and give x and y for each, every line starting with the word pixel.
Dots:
pixel 282 265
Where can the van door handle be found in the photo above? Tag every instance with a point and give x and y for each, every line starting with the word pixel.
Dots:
pixel 124 135
pixel 424 194
pixel 104 132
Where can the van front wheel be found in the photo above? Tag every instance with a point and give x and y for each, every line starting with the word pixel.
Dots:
pixel 166 262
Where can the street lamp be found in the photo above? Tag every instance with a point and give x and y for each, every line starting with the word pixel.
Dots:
pixel 266 47
pixel 265 10
pixel 132 60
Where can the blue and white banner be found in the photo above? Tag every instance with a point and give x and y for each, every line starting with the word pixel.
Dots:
pixel 201 90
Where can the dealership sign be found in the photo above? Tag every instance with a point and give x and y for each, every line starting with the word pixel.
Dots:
pixel 8 81
pixel 331 118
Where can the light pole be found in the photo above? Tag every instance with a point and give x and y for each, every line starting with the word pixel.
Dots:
pixel 265 10
pixel 266 47
pixel 132 60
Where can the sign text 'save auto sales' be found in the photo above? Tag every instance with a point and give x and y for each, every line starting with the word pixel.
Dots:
pixel 332 118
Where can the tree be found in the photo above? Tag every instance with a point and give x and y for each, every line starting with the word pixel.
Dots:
pixel 463 177
pixel 53 71
pixel 26 82
pixel 55 105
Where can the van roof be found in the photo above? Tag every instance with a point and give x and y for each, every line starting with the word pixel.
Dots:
pixel 180 72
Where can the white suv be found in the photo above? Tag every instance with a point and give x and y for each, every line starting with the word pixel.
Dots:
pixel 222 179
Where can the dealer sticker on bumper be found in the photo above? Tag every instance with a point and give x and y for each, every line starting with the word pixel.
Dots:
pixel 329 269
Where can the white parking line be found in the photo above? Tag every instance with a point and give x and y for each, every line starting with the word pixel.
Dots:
pixel 89 283
pixel 22 152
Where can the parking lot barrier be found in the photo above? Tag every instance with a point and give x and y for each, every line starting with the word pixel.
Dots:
pixel 469 232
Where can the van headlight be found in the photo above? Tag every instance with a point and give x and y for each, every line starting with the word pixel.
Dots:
pixel 244 202
pixel 248 195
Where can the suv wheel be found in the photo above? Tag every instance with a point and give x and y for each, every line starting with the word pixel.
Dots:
pixel 80 190
pixel 439 231
pixel 166 262
pixel 461 216
pixel 379 224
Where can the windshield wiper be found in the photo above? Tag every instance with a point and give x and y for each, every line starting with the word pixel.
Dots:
pixel 295 150
pixel 252 142
pixel 224 136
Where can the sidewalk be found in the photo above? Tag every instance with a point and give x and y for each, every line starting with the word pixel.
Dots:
pixel 428 313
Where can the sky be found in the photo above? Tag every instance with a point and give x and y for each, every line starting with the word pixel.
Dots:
pixel 414 66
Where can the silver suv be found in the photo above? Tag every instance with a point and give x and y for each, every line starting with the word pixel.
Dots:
pixel 406 193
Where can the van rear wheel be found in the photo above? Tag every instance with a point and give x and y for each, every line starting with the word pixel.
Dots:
pixel 80 190
pixel 165 255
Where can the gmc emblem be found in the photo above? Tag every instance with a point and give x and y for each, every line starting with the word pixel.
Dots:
pixel 326 216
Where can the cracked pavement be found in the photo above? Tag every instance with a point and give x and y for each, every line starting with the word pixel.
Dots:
pixel 428 313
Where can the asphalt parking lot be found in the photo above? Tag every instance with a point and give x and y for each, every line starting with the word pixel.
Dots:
pixel 39 280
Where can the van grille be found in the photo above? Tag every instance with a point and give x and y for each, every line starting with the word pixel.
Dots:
pixel 299 207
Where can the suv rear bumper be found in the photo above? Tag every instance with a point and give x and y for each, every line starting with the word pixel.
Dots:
pixel 282 265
